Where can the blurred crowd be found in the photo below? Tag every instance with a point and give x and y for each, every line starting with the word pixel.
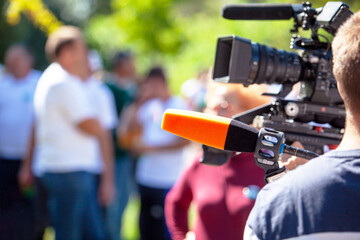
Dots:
pixel 76 141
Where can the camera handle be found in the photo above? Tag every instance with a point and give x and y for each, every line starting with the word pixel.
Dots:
pixel 269 147
pixel 267 153
pixel 268 150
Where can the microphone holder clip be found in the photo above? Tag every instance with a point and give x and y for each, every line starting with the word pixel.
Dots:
pixel 267 153
pixel 214 157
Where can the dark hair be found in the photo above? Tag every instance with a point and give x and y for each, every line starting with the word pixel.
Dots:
pixel 121 57
pixel 156 72
pixel 346 61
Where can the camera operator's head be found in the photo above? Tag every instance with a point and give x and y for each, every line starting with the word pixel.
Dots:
pixel 66 45
pixel 346 63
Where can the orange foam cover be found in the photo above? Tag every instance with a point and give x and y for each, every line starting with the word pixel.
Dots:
pixel 199 127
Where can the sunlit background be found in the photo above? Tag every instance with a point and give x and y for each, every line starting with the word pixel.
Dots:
pixel 179 34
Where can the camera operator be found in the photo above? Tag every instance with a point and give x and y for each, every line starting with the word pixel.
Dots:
pixel 321 199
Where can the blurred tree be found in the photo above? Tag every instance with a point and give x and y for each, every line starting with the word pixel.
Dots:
pixel 148 26
pixel 35 11
pixel 23 32
pixel 29 21
pixel 181 34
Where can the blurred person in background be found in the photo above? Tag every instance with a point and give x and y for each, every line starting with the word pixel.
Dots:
pixel 223 195
pixel 129 131
pixel 17 88
pixel 70 138
pixel 125 72
pixel 160 161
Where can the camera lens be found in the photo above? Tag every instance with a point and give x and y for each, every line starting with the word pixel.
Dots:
pixel 238 60
pixel 277 66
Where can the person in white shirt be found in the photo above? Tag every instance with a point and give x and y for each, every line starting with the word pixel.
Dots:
pixel 17 87
pixel 72 148
pixel 161 159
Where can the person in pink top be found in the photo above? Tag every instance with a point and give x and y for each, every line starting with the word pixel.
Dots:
pixel 223 195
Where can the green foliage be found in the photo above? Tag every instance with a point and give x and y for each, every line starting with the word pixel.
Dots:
pixel 181 35
pixel 147 26
pixel 130 229
pixel 25 33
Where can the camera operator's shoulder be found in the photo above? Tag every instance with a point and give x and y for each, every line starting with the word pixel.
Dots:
pixel 307 175
pixel 306 180
pixel 279 204
pixel 287 189
pixel 322 166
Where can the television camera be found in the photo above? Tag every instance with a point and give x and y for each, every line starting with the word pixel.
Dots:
pixel 317 117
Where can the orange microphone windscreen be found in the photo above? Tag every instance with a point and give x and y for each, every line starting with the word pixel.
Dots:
pixel 199 127
pixel 214 131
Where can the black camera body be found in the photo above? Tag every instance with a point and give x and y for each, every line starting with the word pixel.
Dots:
pixel 238 60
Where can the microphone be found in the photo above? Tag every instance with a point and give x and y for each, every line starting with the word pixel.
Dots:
pixel 214 131
pixel 220 132
pixel 262 11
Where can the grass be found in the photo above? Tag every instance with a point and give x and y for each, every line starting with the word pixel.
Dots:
pixel 130 229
